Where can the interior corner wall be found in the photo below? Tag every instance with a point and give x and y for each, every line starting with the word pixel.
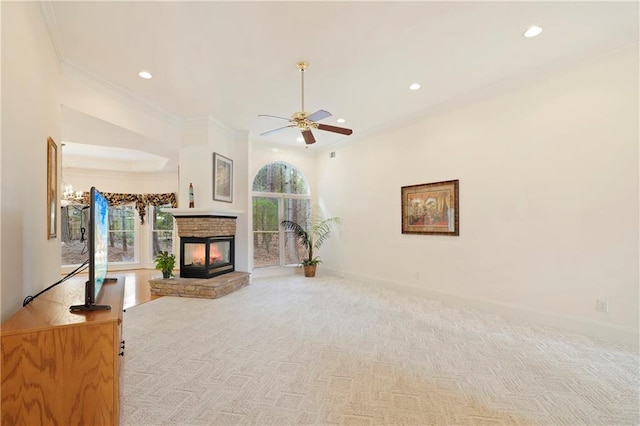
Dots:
pixel 200 141
pixel 549 198
pixel 201 138
pixel 30 114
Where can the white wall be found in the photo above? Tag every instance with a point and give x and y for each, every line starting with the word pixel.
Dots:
pixel 201 139
pixel 548 201
pixel 30 114
pixel 124 182
pixel 1 318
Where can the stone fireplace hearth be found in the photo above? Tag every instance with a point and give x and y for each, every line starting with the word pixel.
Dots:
pixel 207 288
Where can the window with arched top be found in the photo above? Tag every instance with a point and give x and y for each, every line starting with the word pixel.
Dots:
pixel 280 192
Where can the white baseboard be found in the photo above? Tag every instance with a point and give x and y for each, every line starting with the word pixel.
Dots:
pixel 587 327
pixel 275 271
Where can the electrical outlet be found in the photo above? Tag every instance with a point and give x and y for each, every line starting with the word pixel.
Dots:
pixel 602 305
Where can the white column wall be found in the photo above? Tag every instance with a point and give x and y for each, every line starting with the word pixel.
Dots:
pixel 548 201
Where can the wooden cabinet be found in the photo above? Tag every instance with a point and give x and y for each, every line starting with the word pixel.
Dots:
pixel 60 367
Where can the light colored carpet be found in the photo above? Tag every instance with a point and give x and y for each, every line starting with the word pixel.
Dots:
pixel 296 351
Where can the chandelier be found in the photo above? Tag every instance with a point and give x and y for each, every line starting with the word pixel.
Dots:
pixel 69 196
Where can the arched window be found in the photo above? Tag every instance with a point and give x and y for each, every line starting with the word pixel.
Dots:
pixel 280 192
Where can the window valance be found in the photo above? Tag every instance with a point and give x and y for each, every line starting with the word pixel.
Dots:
pixel 140 200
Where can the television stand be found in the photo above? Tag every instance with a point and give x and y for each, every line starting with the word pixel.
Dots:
pixel 86 308
pixel 61 368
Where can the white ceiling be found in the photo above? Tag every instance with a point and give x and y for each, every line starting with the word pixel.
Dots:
pixel 234 60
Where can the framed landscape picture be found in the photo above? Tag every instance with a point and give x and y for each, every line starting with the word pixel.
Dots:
pixel 431 208
pixel 222 178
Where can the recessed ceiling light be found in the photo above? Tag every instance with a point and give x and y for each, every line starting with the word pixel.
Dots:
pixel 275 149
pixel 145 74
pixel 340 120
pixel 300 139
pixel 532 31
pixel 414 86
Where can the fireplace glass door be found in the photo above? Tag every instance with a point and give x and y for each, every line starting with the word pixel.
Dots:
pixel 206 257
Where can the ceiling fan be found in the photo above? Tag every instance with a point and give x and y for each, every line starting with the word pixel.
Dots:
pixel 305 122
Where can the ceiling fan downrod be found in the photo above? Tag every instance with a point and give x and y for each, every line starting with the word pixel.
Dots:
pixel 302 66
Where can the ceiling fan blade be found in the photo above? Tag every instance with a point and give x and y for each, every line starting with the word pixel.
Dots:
pixel 319 115
pixel 308 137
pixel 273 116
pixel 334 129
pixel 277 130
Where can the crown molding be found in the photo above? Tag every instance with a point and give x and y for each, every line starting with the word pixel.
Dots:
pixel 104 86
pixel 221 125
pixel 93 79
pixel 96 81
pixel 492 90
pixel 206 121
pixel 46 6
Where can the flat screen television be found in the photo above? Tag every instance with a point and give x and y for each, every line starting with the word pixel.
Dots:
pixel 98 251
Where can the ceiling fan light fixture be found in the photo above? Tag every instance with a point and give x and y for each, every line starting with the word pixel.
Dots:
pixel 532 31
pixel 145 74
pixel 414 86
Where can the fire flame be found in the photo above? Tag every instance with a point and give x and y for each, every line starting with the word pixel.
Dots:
pixel 199 255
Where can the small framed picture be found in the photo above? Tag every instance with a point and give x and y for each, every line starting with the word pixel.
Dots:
pixel 431 208
pixel 222 178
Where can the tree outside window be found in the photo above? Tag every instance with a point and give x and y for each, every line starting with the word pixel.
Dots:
pixel 122 234
pixel 74 220
pixel 161 231
pixel 75 234
pixel 280 192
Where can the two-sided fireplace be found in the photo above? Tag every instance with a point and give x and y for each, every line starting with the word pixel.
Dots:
pixel 206 257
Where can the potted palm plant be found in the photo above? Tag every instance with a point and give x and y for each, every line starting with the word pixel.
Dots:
pixel 311 235
pixel 165 261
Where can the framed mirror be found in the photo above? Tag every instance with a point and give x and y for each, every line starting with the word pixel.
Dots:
pixel 52 189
